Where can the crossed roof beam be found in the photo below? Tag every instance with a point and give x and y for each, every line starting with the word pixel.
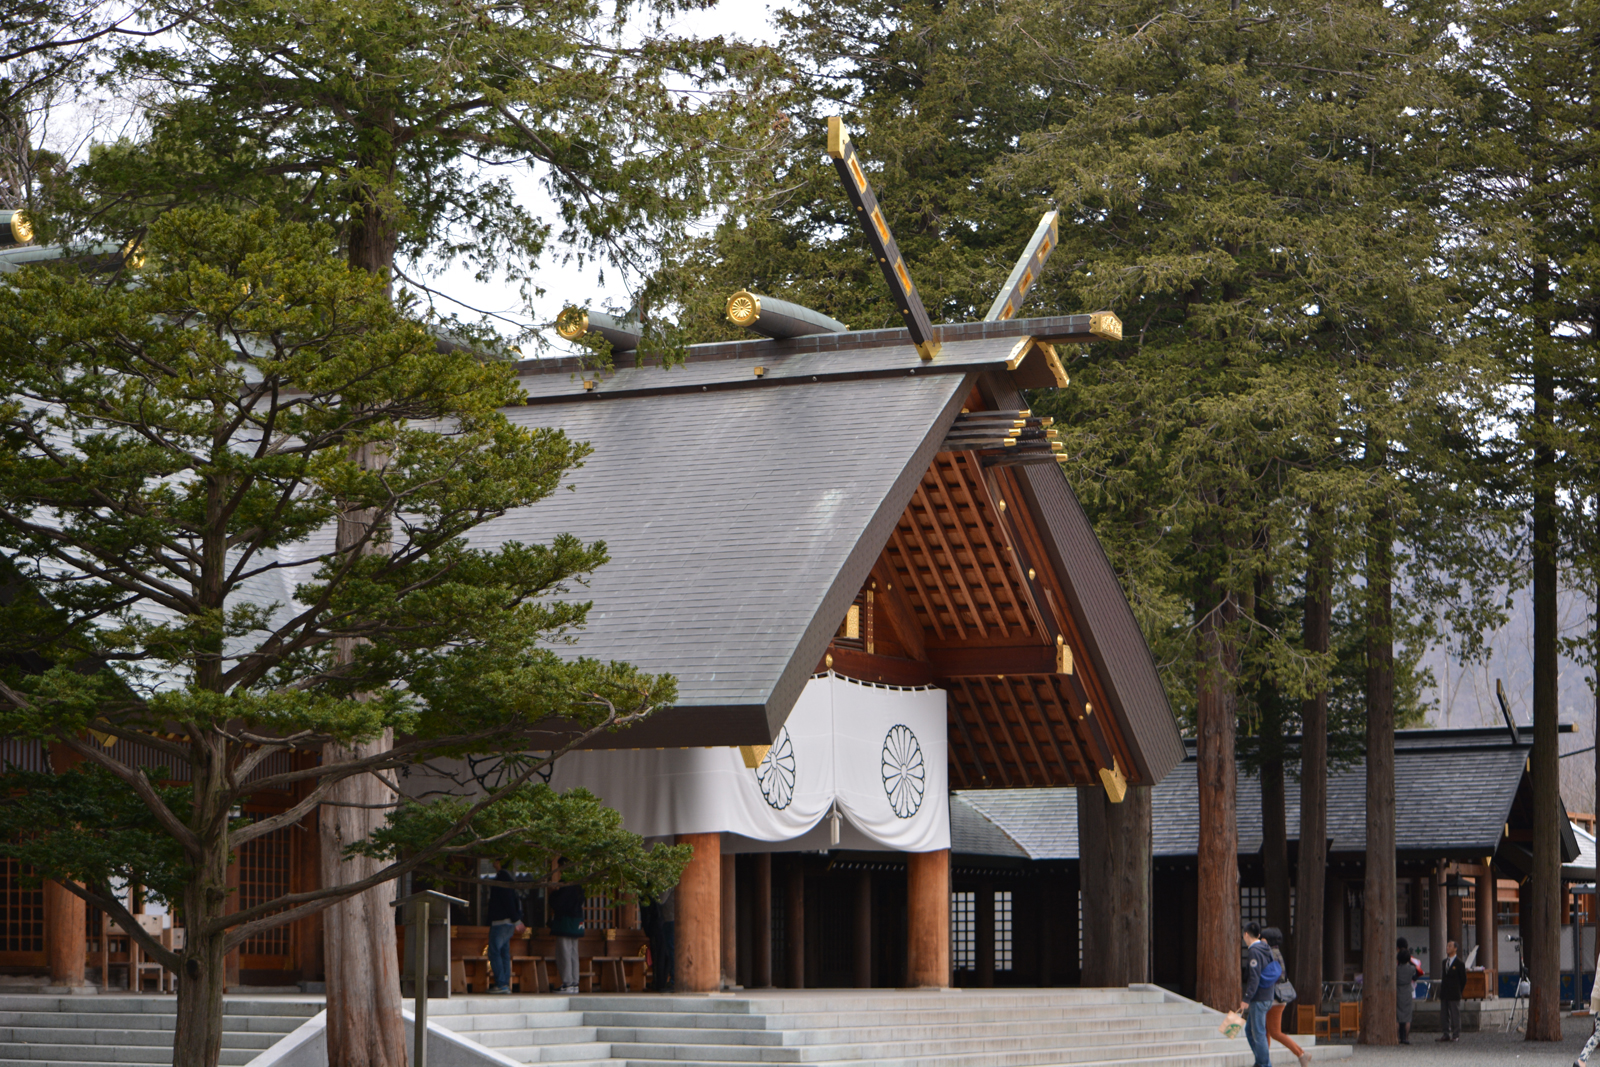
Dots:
pixel 781 319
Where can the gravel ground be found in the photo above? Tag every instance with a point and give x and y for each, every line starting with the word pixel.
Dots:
pixel 1482 1048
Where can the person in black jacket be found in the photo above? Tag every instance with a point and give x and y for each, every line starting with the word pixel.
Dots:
pixel 505 919
pixel 1261 975
pixel 1452 983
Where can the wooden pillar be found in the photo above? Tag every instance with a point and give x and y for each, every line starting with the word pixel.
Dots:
pixel 928 919
pixel 230 962
pixel 1488 928
pixel 863 931
pixel 1438 908
pixel 1414 915
pixel 1114 843
pixel 983 933
pixel 730 930
pixel 761 926
pixel 697 934
pixel 1333 937
pixel 794 923
pixel 65 937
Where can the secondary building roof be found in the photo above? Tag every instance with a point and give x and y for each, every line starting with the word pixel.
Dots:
pixel 1455 794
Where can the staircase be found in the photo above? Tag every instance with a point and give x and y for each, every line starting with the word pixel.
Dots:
pixel 882 1028
pixel 36 1031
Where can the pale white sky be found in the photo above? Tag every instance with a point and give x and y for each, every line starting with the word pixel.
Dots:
pixel 565 284
pixel 71 126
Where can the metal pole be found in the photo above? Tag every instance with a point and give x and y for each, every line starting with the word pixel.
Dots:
pixel 419 1057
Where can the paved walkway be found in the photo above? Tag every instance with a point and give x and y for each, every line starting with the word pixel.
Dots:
pixel 1483 1048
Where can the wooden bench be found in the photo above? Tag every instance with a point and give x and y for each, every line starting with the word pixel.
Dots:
pixel 532 973
pixel 620 974
pixel 1307 1021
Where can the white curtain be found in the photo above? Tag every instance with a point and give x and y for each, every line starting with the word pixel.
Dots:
pixel 877 753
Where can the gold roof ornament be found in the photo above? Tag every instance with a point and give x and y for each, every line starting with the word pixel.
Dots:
pixel 1115 782
pixel 572 323
pixel 624 334
pixel 1105 324
pixel 776 318
pixel 879 237
pixel 18 225
pixel 744 308
pixel 1026 272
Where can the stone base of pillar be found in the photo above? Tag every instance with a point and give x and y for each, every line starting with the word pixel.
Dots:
pixel 85 990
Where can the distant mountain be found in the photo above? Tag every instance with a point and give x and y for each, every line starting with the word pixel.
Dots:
pixel 1464 695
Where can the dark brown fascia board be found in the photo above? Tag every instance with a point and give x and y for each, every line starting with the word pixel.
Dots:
pixel 1055 330
pixel 858 565
pixel 680 726
pixel 1153 739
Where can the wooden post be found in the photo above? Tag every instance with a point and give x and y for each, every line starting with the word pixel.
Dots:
pixel 928 919
pixel 983 933
pixel 1438 908
pixel 699 925
pixel 863 930
pixel 1114 842
pixel 65 937
pixel 230 962
pixel 1455 922
pixel 730 930
pixel 1333 937
pixel 794 923
pixel 761 926
pixel 1488 928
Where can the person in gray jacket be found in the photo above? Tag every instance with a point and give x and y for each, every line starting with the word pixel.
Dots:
pixel 1261 975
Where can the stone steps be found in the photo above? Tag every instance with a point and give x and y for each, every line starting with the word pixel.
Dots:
pixel 44 1031
pixel 1138 1027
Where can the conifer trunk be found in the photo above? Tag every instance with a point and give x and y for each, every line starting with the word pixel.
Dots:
pixel 1311 871
pixel 360 952
pixel 1274 818
pixel 197 1037
pixel 1542 903
pixel 1379 1025
pixel 1217 937
pixel 365 1028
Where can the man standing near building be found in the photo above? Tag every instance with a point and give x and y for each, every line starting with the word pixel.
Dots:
pixel 1261 976
pixel 505 919
pixel 1452 983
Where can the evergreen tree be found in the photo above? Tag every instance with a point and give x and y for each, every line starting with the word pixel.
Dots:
pixel 1526 204
pixel 179 447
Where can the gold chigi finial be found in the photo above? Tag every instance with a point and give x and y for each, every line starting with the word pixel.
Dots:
pixel 744 308
pixel 18 225
pixel 572 323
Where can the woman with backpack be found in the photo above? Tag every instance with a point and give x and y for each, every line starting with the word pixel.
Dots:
pixel 1282 994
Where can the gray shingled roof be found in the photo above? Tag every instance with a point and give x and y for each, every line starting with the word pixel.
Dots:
pixel 743 513
pixel 1429 777
pixel 731 519
pixel 974 835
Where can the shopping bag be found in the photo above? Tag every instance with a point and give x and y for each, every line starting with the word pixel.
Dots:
pixel 1232 1025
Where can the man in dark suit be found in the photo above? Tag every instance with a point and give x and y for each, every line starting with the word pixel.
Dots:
pixel 1452 982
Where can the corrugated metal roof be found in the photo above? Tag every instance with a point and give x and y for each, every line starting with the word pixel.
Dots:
pixel 1453 799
